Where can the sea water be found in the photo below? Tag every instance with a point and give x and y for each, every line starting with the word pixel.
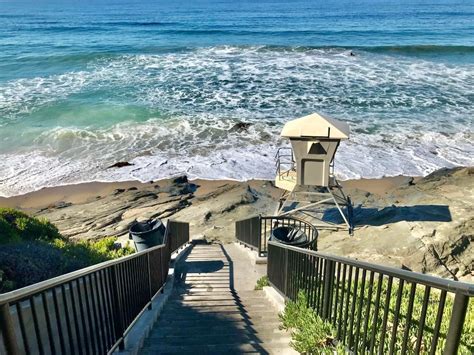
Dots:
pixel 161 84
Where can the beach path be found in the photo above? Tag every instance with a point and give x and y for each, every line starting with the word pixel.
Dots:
pixel 214 308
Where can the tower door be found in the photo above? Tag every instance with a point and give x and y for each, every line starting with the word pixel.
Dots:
pixel 313 172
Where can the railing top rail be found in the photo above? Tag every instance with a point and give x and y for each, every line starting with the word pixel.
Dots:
pixel 289 217
pixel 411 276
pixel 282 148
pixel 24 292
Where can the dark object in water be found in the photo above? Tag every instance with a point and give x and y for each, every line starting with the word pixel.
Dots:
pixel 291 236
pixel 147 234
pixel 120 164
pixel 240 127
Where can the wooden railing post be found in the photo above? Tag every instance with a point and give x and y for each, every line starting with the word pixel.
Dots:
pixel 117 307
pixel 456 323
pixel 8 330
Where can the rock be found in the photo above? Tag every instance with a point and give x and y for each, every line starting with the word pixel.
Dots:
pixel 179 189
pixel 180 179
pixel 60 204
pixel 144 194
pixel 120 164
pixel 118 191
pixel 240 127
pixel 133 188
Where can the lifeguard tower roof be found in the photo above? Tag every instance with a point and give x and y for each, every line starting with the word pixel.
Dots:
pixel 316 126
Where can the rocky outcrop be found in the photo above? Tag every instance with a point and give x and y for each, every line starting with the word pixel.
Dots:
pixel 425 225
pixel 211 214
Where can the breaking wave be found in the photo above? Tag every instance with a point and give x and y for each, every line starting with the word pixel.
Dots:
pixel 174 112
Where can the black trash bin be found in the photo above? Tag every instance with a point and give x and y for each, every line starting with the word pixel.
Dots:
pixel 291 236
pixel 147 234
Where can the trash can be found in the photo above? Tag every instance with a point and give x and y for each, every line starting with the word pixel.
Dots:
pixel 291 236
pixel 147 234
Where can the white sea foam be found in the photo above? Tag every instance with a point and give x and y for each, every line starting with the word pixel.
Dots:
pixel 408 116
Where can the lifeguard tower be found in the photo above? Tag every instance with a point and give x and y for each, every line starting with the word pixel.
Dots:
pixel 306 172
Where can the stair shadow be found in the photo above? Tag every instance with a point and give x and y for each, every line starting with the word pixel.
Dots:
pixel 392 214
pixel 241 307
pixel 179 322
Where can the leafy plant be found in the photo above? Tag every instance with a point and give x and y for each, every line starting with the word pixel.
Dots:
pixel 17 226
pixel 32 250
pixel 310 333
pixel 89 252
pixel 359 317
pixel 261 283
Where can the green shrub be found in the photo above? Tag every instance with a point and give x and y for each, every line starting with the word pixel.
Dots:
pixel 5 284
pixel 261 283
pixel 17 226
pixel 345 315
pixel 89 252
pixel 467 337
pixel 25 263
pixel 310 333
pixel 32 250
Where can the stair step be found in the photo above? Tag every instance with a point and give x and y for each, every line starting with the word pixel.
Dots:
pixel 233 348
pixel 204 289
pixel 215 298
pixel 223 310
pixel 211 279
pixel 216 274
pixel 269 327
pixel 194 316
pixel 215 303
pixel 223 277
pixel 225 283
pixel 216 338
pixel 200 295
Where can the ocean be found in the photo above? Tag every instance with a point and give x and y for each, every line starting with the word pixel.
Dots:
pixel 161 84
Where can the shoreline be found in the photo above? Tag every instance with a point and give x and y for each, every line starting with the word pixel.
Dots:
pixel 85 192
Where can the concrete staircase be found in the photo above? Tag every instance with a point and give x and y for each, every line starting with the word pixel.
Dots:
pixel 207 315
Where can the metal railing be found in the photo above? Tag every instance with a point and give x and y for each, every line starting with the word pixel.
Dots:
pixel 284 161
pixel 376 309
pixel 88 311
pixel 178 233
pixel 255 232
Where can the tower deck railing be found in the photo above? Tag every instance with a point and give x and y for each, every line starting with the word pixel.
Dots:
pixel 88 311
pixel 254 232
pixel 284 161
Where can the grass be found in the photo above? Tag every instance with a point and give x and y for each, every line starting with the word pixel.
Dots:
pixel 352 310
pixel 261 283
pixel 33 250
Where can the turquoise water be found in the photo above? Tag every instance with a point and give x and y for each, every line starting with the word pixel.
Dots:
pixel 161 84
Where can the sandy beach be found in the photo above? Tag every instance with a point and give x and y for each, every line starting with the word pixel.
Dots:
pixel 81 193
